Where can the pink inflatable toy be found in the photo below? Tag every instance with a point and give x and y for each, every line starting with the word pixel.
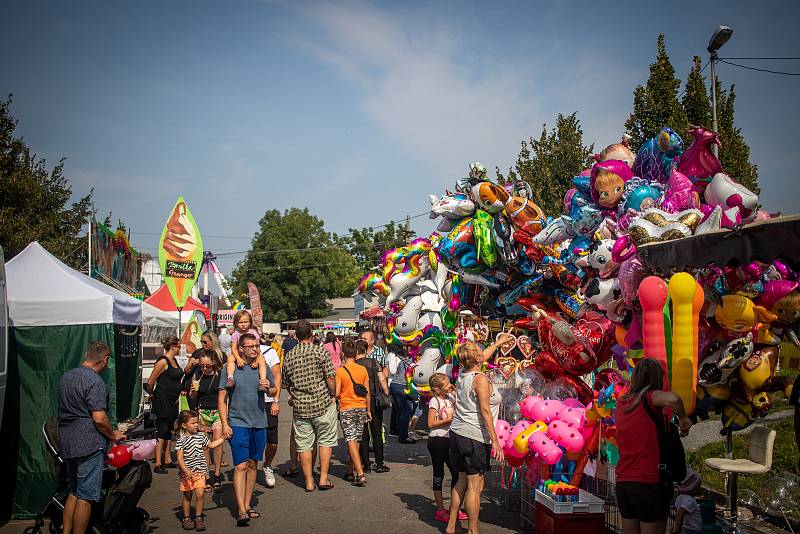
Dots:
pixel 503 431
pixel 680 194
pixel 526 406
pixel 568 437
pixel 574 417
pixel 547 410
pixel 546 448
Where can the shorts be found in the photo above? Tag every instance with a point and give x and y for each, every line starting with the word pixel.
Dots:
pixel 272 426
pixel 193 482
pixel 209 419
pixel 247 444
pixel 647 502
pixel 353 423
pixel 85 475
pixel 469 456
pixel 322 428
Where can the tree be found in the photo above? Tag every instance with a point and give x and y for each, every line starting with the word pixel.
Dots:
pixel 35 202
pixel 296 266
pixel 734 154
pixel 550 162
pixel 367 245
pixel 695 100
pixel 656 104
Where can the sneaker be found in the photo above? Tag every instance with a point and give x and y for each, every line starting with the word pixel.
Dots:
pixel 442 515
pixel 392 434
pixel 383 468
pixel 269 477
pixel 462 515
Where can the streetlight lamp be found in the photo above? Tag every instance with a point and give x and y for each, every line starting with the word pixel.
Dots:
pixel 719 38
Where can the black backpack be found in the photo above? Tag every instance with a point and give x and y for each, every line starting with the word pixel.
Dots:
pixel 672 458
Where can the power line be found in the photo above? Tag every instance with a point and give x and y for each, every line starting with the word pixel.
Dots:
pixel 759 70
pixel 762 58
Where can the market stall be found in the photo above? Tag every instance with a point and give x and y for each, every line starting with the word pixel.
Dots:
pixel 54 313
pixel 659 255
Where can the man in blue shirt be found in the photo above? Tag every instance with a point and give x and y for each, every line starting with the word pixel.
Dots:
pixel 83 434
pixel 243 413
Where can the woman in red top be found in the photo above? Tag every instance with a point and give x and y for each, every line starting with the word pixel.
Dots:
pixel 643 501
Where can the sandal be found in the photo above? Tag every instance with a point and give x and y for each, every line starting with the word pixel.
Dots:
pixel 360 481
pixel 199 524
pixel 252 514
pixel 291 473
pixel 217 485
pixel 187 523
pixel 312 489
pixel 326 487
pixel 243 520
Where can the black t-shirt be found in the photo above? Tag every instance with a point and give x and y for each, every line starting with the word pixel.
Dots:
pixel 372 371
pixel 208 392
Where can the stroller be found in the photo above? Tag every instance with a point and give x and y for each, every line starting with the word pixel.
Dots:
pixel 116 513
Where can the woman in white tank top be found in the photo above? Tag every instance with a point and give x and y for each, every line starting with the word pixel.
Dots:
pixel 472 435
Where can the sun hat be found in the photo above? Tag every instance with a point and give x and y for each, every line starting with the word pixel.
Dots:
pixel 690 483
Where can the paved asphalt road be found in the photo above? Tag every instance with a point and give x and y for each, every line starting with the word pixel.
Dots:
pixel 399 501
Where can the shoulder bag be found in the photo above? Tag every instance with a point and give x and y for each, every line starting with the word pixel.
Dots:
pixel 358 389
pixel 672 457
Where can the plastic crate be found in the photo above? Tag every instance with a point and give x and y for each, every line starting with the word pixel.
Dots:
pixel 587 504
pixel 549 522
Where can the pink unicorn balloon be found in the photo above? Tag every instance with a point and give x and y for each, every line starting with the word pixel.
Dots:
pixel 698 162
pixel 680 194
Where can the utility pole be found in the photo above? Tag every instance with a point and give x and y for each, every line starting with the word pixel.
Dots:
pixel 89 239
pixel 719 38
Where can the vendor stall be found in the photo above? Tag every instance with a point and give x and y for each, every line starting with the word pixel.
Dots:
pixel 54 313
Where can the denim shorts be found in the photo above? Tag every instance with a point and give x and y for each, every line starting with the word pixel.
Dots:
pixel 247 444
pixel 85 475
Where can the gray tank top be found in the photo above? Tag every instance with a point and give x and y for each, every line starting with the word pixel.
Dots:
pixel 467 421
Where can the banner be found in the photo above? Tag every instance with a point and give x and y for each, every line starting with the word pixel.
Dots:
pixel 255 306
pixel 114 256
pixel 180 253
pixel 191 336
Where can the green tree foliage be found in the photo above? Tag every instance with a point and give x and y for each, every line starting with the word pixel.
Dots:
pixel 35 202
pixel 367 245
pixel 656 104
pixel 735 152
pixel 296 266
pixel 550 162
pixel 695 100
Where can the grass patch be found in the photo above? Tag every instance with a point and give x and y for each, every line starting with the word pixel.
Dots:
pixel 784 457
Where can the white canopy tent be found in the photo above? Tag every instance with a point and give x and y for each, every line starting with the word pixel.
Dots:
pixel 42 291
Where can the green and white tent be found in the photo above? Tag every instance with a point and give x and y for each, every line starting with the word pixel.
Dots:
pixel 54 313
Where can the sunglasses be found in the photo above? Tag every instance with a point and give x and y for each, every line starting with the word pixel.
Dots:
pixel 206 367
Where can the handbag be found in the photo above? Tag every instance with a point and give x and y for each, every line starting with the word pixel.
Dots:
pixel 358 389
pixel 672 457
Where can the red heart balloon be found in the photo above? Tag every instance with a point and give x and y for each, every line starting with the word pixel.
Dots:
pixel 546 364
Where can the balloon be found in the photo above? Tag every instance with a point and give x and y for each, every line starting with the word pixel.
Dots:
pixel 739 314
pixel 545 447
pixel 737 202
pixel 557 391
pixel 653 296
pixel 778 497
pixel 656 156
pixel 529 381
pixel 682 288
pixel 698 162
pixel 142 449
pixel 119 456
pixel 680 194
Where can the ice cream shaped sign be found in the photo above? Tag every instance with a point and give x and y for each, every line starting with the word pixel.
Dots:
pixel 180 253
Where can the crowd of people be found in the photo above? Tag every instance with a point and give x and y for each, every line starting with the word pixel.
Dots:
pixel 339 383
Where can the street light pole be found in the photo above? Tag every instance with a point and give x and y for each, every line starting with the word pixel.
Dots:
pixel 718 38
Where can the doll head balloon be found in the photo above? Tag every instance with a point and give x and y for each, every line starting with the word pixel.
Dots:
pixel 739 314
pixel 608 182
pixel 618 151
pixel 782 298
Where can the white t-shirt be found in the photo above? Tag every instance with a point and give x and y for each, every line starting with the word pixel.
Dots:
pixel 225 342
pixel 441 406
pixel 272 358
pixel 692 521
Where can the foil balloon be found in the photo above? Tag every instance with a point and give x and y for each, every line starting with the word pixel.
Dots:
pixel 698 162
pixel 656 157
pixel 653 296
pixel 142 449
pixel 482 231
pixel 680 194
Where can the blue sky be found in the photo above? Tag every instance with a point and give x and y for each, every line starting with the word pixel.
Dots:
pixel 356 110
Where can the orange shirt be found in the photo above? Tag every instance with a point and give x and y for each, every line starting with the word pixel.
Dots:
pixel 348 399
